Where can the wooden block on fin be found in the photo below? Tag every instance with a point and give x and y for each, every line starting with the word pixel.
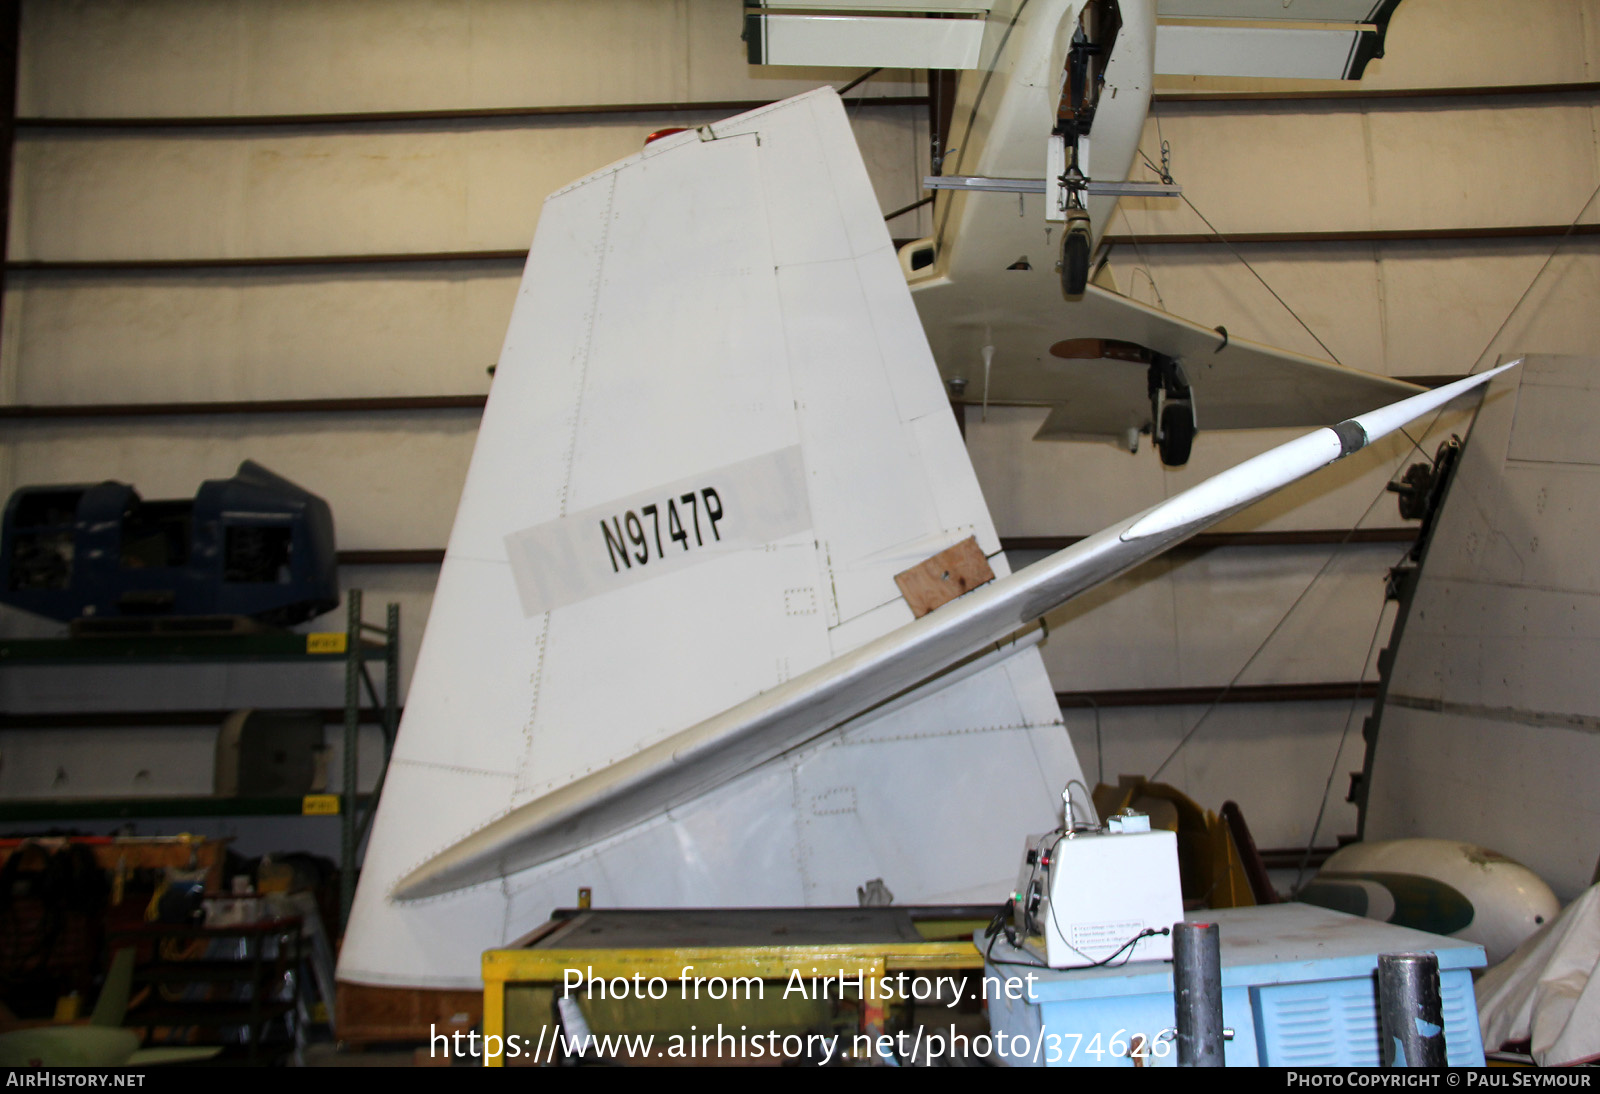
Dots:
pixel 944 577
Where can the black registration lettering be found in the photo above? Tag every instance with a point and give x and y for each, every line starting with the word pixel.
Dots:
pixel 655 513
pixel 693 502
pixel 675 526
pixel 614 546
pixel 636 534
pixel 713 509
pixel 627 537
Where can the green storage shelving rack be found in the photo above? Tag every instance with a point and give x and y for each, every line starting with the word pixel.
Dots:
pixel 360 644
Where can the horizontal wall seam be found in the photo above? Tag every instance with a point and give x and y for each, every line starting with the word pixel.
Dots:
pixel 1124 697
pixel 1539 719
pixel 247 406
pixel 361 119
pixel 1380 235
pixel 158 265
pixel 69 412
pixel 132 719
pixel 1298 538
pixel 1405 96
pixel 519 256
pixel 406 556
pixel 282 263
pixel 1255 693
pixel 433 556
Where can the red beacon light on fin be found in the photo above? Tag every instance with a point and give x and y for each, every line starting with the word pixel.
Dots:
pixel 667 132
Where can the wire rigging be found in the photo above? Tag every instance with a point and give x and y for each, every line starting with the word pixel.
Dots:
pixel 861 79
pixel 1333 771
pixel 1246 262
pixel 1483 357
pixel 1278 626
pixel 1416 446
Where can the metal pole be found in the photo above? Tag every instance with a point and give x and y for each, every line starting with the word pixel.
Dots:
pixel 1410 1012
pixel 391 684
pixel 1197 993
pixel 347 804
pixel 391 719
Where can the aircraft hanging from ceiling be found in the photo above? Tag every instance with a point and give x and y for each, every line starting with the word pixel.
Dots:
pixel 723 619
pixel 1049 110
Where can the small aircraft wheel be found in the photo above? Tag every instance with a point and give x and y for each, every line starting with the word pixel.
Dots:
pixel 1075 262
pixel 1177 434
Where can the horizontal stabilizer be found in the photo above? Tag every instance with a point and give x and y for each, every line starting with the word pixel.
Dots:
pixel 1238 384
pixel 831 695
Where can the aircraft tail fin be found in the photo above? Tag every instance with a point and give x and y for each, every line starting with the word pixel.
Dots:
pixel 715 436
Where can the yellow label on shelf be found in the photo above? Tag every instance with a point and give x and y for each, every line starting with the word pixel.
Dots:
pixel 320 805
pixel 326 642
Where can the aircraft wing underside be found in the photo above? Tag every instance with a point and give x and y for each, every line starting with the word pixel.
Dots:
pixel 1237 384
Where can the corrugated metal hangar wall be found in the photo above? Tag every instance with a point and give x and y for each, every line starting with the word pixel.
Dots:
pixel 241 201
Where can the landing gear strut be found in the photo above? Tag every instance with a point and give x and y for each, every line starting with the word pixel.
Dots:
pixel 1172 410
pixel 1075 253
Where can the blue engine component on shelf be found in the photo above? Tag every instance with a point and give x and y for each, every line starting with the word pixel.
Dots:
pixel 254 545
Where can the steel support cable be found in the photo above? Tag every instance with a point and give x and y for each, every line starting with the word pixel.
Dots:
pixel 1510 315
pixel 1261 647
pixel 1416 447
pixel 1246 263
pixel 1333 771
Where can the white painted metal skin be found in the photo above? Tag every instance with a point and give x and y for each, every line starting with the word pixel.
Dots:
pixel 724 294
pixel 1489 733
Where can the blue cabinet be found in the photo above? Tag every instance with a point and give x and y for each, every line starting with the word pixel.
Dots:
pixel 1299 989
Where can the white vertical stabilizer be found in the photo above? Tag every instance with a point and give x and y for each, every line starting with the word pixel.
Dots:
pixel 715 435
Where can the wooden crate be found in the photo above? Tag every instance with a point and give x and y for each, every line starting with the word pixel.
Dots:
pixel 367 1015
